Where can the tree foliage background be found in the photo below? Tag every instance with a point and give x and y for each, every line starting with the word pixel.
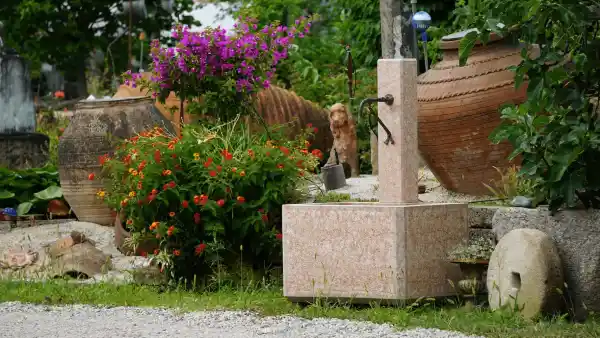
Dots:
pixel 318 65
pixel 65 33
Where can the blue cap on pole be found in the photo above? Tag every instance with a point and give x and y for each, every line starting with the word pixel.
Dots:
pixel 421 21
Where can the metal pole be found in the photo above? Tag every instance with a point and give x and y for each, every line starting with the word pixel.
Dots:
pixel 130 55
pixel 142 56
pixel 415 41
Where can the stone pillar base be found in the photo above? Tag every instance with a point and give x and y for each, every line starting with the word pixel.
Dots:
pixel 371 251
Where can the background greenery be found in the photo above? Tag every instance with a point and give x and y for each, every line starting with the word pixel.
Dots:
pixel 66 33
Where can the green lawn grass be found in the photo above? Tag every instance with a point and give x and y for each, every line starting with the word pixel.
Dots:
pixel 269 301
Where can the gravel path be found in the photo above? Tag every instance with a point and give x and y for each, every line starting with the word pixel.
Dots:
pixel 366 187
pixel 36 321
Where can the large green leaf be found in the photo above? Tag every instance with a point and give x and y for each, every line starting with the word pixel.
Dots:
pixel 49 193
pixel 4 194
pixel 24 208
pixel 466 46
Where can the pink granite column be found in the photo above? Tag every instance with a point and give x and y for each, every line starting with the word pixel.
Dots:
pixel 399 162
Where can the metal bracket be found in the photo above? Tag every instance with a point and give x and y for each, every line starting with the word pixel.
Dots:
pixel 389 100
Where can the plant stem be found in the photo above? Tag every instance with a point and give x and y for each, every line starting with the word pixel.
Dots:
pixel 262 121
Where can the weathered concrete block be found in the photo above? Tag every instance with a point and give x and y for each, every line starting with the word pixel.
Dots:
pixel 577 236
pixel 371 251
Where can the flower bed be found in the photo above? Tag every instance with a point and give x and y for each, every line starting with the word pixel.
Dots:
pixel 211 196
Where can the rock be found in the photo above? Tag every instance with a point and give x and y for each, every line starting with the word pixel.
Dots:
pixel 78 237
pixel 81 260
pixel 63 245
pixel 576 234
pixel 521 202
pixel 525 270
pixel 18 258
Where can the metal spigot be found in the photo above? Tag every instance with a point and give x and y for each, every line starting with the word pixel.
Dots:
pixel 389 100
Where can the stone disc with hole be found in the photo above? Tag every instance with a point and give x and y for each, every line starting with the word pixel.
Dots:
pixel 525 270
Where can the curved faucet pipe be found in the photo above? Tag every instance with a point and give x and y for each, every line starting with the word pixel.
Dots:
pixel 389 100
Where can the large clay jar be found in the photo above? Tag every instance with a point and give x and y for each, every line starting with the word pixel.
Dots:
pixel 95 129
pixel 278 106
pixel 458 109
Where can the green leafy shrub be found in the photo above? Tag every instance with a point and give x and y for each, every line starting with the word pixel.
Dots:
pixel 29 191
pixel 212 196
pixel 511 185
pixel 53 128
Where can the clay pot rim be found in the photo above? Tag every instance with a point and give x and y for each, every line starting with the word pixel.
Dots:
pixel 100 103
pixel 455 44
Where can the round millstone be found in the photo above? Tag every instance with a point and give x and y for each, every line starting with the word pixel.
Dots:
pixel 525 270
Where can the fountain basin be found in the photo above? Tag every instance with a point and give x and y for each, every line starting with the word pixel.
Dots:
pixel 362 252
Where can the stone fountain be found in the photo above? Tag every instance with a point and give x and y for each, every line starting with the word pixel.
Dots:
pixel 393 250
pixel 20 146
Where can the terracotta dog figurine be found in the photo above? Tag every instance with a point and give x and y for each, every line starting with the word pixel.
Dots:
pixel 345 140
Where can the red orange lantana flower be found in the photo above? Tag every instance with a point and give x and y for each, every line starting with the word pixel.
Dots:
pixel 154 225
pixel 200 248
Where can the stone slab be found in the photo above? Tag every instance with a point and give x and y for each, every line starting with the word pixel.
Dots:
pixel 577 237
pixel 371 251
pixel 525 272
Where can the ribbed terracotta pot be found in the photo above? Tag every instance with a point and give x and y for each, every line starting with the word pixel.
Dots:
pixel 279 106
pixel 458 109
pixel 95 129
